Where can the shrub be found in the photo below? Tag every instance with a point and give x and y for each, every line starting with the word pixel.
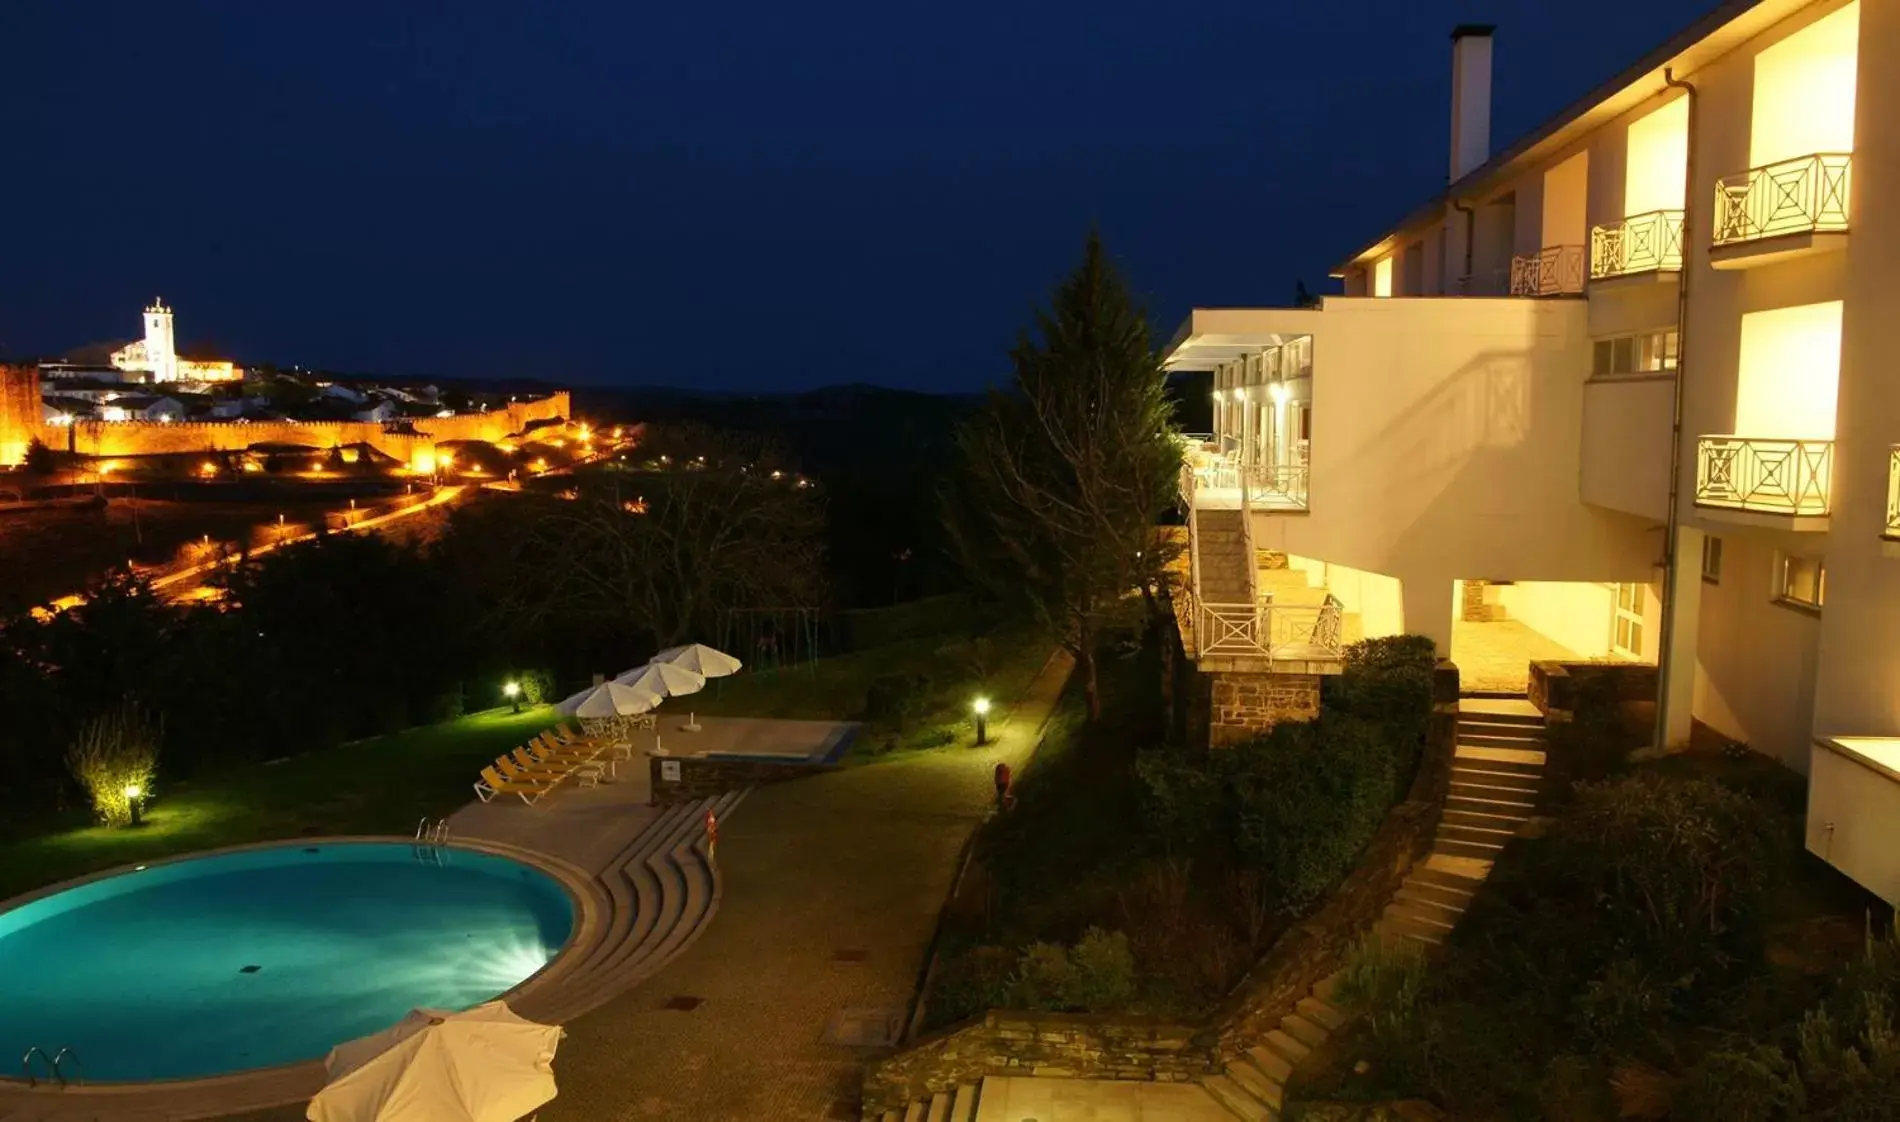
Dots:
pixel 39 458
pixel 1382 982
pixel 1758 1085
pixel 894 699
pixel 115 758
pixel 537 686
pixel 1622 1011
pixel 977 980
pixel 1044 977
pixel 1306 799
pixel 447 705
pixel 1848 1048
pixel 1101 971
pixel 1182 798
pixel 1389 680
pixel 1666 872
pixel 936 738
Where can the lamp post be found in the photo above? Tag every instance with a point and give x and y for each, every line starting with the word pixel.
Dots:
pixel 982 707
pixel 512 691
pixel 133 792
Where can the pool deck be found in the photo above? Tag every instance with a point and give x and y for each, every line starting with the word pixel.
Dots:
pixel 587 826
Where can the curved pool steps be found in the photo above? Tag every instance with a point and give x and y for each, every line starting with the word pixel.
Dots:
pixel 654 899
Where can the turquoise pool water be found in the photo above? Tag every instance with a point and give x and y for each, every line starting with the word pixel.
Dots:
pixel 217 964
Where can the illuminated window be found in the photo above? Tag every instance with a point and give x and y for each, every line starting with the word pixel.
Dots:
pixel 1712 559
pixel 1804 91
pixel 1652 352
pixel 1658 161
pixel 1382 277
pixel 1628 637
pixel 1800 581
pixel 1789 372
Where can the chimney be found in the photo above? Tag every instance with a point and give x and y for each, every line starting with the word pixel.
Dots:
pixel 1470 97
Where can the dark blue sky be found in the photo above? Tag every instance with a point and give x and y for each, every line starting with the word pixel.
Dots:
pixel 741 194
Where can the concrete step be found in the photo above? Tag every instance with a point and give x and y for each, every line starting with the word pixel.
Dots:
pixel 1484 777
pixel 1407 929
pixel 1454 877
pixel 1270 1091
pixel 1484 819
pixel 1326 987
pixel 1491 792
pixel 939 1107
pixel 1287 1045
pixel 1511 709
pixel 1421 915
pixel 1305 1031
pixel 1429 884
pixel 963 1104
pixel 1275 1066
pixel 1481 834
pixel 1238 1102
pixel 1480 738
pixel 915 1111
pixel 1326 1016
pixel 1459 848
pixel 1490 805
pixel 1421 901
pixel 1520 757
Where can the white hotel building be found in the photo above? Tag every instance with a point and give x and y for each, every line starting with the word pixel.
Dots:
pixel 1625 390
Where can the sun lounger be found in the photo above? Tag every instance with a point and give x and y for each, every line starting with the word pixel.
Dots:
pixel 491 784
pixel 517 769
pixel 546 749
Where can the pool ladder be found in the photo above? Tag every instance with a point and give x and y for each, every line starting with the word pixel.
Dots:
pixel 431 841
pixel 53 1068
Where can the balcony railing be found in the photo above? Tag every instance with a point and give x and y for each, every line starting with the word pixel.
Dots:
pixel 1276 486
pixel 1790 477
pixel 1893 494
pixel 1263 630
pixel 1553 271
pixel 1222 480
pixel 1802 196
pixel 1641 243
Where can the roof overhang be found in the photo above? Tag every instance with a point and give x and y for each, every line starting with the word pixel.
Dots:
pixel 1709 38
pixel 1213 337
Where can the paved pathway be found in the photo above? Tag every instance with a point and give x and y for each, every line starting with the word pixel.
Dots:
pixel 857 860
pixel 854 861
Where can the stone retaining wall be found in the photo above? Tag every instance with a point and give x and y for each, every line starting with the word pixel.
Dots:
pixel 1561 689
pixel 1246 705
pixel 1078 1046
pixel 698 777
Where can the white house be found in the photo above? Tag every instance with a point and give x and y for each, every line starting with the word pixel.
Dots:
pixel 1700 246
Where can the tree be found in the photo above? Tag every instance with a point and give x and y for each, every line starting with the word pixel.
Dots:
pixel 1065 474
pixel 39 458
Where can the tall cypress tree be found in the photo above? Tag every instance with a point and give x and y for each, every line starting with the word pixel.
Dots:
pixel 1066 472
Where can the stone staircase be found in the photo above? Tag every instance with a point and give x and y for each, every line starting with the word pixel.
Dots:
pixel 959 1105
pixel 1496 778
pixel 648 905
pixel 1226 565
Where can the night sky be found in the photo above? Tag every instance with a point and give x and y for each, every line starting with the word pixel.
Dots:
pixel 740 195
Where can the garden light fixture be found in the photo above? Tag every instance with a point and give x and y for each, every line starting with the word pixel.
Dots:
pixel 512 691
pixel 982 707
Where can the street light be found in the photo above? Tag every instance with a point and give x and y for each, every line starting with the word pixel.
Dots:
pixel 982 707
pixel 512 691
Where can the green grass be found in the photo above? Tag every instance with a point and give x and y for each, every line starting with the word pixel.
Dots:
pixel 958 670
pixel 377 786
pixel 383 785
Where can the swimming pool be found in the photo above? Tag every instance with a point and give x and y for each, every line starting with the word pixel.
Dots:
pixel 267 956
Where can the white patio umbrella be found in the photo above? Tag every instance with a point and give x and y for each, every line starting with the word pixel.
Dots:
pixel 482 1065
pixel 664 679
pixel 699 658
pixel 609 699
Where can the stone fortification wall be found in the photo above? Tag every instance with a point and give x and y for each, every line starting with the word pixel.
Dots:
pixel 150 438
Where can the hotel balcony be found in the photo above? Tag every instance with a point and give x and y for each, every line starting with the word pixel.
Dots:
pixel 1553 271
pixel 1642 244
pixel 1221 480
pixel 1782 484
pixel 1783 210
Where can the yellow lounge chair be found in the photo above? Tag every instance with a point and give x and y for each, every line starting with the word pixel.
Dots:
pixel 519 770
pixel 491 784
pixel 546 749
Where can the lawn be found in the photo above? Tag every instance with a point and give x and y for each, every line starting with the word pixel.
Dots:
pixel 947 673
pixel 376 786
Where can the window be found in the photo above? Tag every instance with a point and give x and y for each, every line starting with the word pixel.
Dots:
pixel 1627 639
pixel 1800 581
pixel 1382 277
pixel 1712 559
pixel 1652 352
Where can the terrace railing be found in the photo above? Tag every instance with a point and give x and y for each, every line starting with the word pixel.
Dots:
pixel 1266 630
pixel 1272 487
pixel 1799 196
pixel 1767 476
pixel 1641 243
pixel 1552 271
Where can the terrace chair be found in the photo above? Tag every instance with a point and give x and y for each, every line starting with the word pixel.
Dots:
pixel 519 767
pixel 492 784
pixel 545 752
pixel 567 734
